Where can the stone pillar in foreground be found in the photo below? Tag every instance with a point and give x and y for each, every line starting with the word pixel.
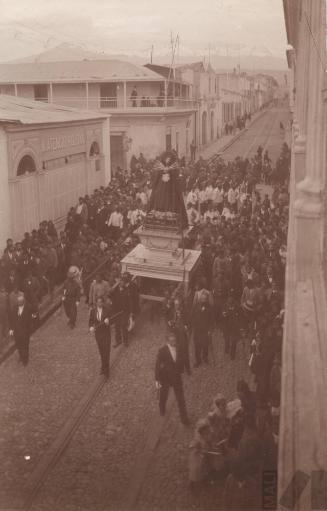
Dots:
pixel 302 464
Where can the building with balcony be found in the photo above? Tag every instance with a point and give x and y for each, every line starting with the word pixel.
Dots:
pixel 49 157
pixel 149 112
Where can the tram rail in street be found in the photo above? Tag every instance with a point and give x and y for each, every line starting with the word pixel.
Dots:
pixel 269 123
pixel 59 445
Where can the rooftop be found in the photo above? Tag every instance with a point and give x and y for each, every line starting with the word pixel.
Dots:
pixel 75 71
pixel 200 67
pixel 26 111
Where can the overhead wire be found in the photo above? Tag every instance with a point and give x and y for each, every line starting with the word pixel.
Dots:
pixel 323 65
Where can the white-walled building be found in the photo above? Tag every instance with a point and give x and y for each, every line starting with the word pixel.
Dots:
pixel 265 87
pixel 49 157
pixel 242 93
pixel 237 96
pixel 205 87
pixel 148 112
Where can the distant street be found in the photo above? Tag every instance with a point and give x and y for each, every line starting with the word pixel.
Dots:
pixel 265 131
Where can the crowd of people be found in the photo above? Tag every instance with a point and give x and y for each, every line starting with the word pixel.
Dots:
pixel 98 232
pixel 238 124
pixel 241 230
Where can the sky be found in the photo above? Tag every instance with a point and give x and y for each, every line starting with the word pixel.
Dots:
pixel 133 26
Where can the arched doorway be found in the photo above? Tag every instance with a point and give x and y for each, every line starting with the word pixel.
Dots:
pixel 204 128
pixel 212 127
pixel 24 194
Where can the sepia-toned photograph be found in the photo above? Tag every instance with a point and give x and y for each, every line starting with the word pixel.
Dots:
pixel 163 290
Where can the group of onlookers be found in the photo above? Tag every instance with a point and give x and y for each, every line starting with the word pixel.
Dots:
pixel 240 291
pixel 237 124
pixel 99 228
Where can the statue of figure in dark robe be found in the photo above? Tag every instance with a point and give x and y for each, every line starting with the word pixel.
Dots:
pixel 167 196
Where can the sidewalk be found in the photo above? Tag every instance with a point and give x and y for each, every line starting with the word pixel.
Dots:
pixel 226 140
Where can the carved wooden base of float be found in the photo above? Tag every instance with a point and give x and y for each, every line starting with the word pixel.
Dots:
pixel 176 265
pixel 159 240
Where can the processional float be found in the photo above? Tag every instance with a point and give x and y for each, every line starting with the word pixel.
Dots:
pixel 161 255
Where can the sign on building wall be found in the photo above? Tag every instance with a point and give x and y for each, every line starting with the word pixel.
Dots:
pixel 59 142
pixel 63 141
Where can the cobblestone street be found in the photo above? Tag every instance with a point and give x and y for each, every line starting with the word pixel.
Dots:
pixel 123 455
pixel 35 401
pixel 166 483
pixel 101 461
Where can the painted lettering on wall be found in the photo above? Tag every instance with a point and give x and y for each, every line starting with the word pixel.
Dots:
pixel 59 142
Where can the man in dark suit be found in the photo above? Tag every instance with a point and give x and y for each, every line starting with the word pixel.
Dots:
pixel 31 288
pixel 99 324
pixel 122 307
pixel 202 323
pixel 20 327
pixel 71 298
pixel 230 324
pixel 178 323
pixel 132 293
pixel 168 373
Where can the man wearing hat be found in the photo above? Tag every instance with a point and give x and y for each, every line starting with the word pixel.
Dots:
pixel 168 373
pixel 71 297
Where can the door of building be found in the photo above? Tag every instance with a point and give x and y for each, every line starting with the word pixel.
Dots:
pixel 117 154
pixel 204 128
pixel 212 126
pixel 177 143
pixel 168 142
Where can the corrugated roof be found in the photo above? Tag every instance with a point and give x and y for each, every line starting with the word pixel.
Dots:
pixel 75 71
pixel 26 111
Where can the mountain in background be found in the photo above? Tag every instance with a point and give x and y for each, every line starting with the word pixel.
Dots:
pixel 251 62
pixel 63 52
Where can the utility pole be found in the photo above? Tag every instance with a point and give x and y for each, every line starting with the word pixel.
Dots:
pixel 151 53
pixel 178 43
pixel 174 46
pixel 171 43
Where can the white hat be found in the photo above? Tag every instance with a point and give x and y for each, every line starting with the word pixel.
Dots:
pixel 233 407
